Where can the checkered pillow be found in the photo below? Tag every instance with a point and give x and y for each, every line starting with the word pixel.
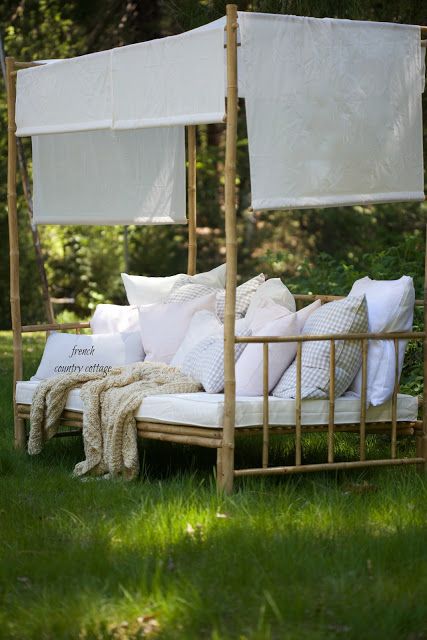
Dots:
pixel 244 293
pixel 205 362
pixel 343 316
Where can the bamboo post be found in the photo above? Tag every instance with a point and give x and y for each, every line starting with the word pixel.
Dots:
pixel 394 399
pixel 265 416
pixel 15 306
pixel 298 408
pixel 422 441
pixel 29 199
pixel 191 197
pixel 363 400
pixel 227 476
pixel 331 403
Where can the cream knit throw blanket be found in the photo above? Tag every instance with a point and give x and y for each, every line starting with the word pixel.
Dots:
pixel 110 402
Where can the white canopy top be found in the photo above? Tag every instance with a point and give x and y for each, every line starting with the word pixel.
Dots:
pixel 333 110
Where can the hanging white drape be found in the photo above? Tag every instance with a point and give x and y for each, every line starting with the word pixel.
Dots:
pixel 110 177
pixel 333 111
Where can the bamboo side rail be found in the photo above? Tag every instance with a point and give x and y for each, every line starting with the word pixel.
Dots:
pixel 331 402
pixel 334 466
pixel 401 335
pixel 226 480
pixel 56 326
pixel 192 200
pixel 311 297
pixel 15 302
pixel 265 407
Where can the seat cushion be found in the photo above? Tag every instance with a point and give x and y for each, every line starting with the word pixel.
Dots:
pixel 207 410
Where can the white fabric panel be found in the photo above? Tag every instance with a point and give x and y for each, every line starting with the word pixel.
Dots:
pixel 110 177
pixel 175 80
pixel 207 410
pixel 65 95
pixel 333 111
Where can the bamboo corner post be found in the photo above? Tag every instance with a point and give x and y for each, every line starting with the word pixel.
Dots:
pixel 225 481
pixel 15 303
pixel 192 200
pixel 422 440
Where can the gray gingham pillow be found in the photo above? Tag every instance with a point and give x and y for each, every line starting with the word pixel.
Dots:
pixel 349 315
pixel 244 293
pixel 205 363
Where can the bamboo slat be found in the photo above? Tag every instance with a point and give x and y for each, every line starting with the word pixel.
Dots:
pixel 191 200
pixel 363 400
pixel 307 468
pixel 394 400
pixel 265 416
pixel 15 302
pixel 226 480
pixel 331 403
pixel 298 408
pixel 178 429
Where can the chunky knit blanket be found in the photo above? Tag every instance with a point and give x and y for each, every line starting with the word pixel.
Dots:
pixel 110 402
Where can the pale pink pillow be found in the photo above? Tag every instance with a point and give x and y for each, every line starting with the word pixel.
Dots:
pixel 163 326
pixel 249 367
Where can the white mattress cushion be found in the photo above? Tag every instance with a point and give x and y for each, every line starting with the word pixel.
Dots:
pixel 207 410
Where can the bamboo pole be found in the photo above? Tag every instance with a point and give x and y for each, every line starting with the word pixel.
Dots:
pixel 422 441
pixel 298 408
pixel 331 403
pixel 394 399
pixel 363 400
pixel 56 326
pixel 401 335
pixel 307 468
pixel 265 416
pixel 311 297
pixel 226 480
pixel 15 305
pixel 211 443
pixel 192 200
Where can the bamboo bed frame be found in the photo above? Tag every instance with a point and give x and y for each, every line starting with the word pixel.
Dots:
pixel 223 438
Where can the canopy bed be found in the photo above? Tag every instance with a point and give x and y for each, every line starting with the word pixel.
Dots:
pixel 108 148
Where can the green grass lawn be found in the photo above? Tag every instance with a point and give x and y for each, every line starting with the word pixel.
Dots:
pixel 309 557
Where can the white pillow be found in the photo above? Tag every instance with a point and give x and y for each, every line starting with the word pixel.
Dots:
pixel 114 318
pixel 270 319
pixel 70 353
pixel 390 308
pixel 163 326
pixel 149 290
pixel 204 323
pixel 273 290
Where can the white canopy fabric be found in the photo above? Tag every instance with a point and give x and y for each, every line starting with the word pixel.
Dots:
pixel 333 111
pixel 64 96
pixel 176 80
pixel 110 177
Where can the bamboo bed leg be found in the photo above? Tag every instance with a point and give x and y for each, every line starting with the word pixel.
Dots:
pixel 331 404
pixel 265 416
pixel 394 399
pixel 191 197
pixel 298 408
pixel 227 476
pixel 422 441
pixel 363 400
pixel 15 305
